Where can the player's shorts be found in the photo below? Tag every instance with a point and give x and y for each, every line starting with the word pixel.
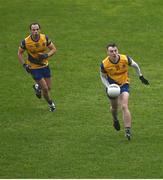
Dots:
pixel 40 73
pixel 124 88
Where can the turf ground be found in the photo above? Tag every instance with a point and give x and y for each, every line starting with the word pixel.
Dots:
pixel 78 141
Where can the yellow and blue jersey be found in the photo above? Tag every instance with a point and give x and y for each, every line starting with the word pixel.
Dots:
pixel 33 49
pixel 116 72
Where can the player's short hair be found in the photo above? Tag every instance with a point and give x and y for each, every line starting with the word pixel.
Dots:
pixel 111 45
pixel 34 23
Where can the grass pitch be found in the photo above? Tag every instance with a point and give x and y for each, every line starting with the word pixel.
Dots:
pixel 78 141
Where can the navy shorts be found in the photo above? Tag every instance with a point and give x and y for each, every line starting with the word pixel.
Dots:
pixel 124 88
pixel 38 74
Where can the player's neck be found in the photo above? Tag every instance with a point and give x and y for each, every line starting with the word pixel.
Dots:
pixel 35 37
pixel 114 59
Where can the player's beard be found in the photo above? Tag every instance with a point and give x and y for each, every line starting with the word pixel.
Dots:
pixel 35 36
pixel 114 58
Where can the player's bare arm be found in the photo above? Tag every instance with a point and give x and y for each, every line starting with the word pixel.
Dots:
pixel 52 50
pixel 20 55
pixel 21 60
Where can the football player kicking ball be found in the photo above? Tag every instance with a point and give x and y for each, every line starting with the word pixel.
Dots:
pixel 114 70
pixel 39 48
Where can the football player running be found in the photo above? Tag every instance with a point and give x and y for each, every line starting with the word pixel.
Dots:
pixel 39 48
pixel 114 70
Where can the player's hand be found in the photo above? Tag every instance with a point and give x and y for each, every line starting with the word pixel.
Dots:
pixel 143 80
pixel 43 56
pixel 27 68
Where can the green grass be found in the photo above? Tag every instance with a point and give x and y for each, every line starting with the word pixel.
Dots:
pixel 78 141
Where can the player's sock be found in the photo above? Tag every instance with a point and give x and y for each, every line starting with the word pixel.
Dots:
pixel 116 124
pixel 52 106
pixel 128 133
pixel 37 90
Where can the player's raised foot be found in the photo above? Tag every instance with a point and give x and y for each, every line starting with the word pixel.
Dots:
pixel 128 133
pixel 52 107
pixel 116 125
pixel 37 90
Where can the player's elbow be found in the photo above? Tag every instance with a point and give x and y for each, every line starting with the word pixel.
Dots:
pixel 54 50
pixel 19 54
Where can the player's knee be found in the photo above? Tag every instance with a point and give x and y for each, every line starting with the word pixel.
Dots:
pixel 124 107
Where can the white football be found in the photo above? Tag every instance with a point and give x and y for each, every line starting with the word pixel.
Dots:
pixel 113 90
